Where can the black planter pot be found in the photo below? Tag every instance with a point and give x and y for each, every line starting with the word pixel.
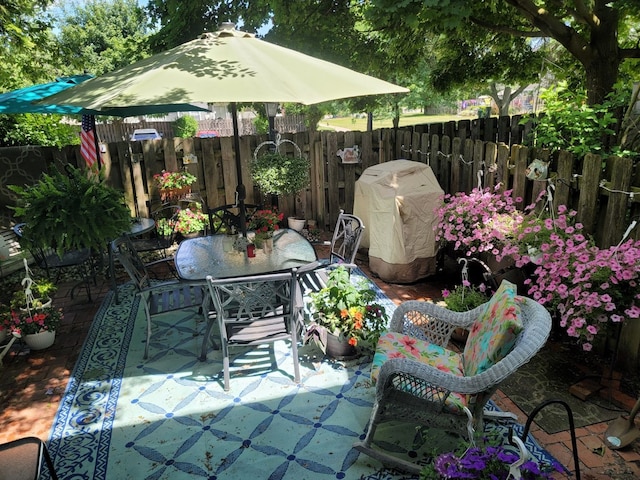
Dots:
pixel 339 348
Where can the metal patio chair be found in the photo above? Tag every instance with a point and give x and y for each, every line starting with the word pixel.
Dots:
pixel 226 218
pixel 163 235
pixel 48 259
pixel 23 459
pixel 157 298
pixel 253 310
pixel 345 242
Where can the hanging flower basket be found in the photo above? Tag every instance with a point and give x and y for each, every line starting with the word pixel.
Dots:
pixel 33 319
pixel 277 173
pixel 167 194
pixel 174 185
pixel 40 341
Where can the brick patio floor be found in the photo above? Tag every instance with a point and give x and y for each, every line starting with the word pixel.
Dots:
pixel 32 384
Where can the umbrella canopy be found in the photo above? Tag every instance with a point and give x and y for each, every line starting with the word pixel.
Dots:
pixel 227 66
pixel 21 101
pixel 224 67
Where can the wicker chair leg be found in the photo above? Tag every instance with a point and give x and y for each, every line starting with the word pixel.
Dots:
pixel 388 460
pixel 385 458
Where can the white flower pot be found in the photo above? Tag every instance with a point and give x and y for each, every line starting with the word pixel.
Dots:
pixel 296 223
pixel 40 341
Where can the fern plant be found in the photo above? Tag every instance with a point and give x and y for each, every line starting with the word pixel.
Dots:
pixel 71 212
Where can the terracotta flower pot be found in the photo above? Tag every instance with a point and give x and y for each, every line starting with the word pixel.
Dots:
pixel 174 193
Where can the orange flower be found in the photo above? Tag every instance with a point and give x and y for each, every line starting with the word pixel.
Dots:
pixel 344 313
pixel 353 341
pixel 358 325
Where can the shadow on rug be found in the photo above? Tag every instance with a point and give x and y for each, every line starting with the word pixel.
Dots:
pixel 169 418
pixel 548 376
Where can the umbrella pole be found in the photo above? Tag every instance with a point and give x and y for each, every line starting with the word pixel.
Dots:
pixel 241 192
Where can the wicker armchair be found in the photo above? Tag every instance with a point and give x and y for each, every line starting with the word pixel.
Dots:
pixel 421 393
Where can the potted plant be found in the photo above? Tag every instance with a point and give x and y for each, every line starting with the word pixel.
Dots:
pixel 462 298
pixel 490 462
pixel 477 222
pixel 279 174
pixel 590 288
pixel 174 184
pixel 345 316
pixel 264 223
pixel 190 221
pixel 32 317
pixel 71 212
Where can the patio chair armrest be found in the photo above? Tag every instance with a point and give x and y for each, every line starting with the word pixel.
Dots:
pixel 431 322
pixel 171 285
pixel 160 261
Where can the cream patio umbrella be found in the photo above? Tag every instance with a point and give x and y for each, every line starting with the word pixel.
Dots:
pixel 228 66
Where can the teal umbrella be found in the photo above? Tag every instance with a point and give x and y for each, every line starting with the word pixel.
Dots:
pixel 21 101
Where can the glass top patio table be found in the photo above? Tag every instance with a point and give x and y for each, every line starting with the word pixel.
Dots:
pixel 201 256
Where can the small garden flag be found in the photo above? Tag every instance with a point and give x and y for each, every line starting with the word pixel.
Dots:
pixel 89 141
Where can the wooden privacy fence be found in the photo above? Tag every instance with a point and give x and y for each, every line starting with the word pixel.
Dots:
pixel 607 199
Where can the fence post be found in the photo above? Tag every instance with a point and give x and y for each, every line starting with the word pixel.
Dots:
pixel 589 191
pixel 502 163
pixel 564 181
pixel 456 165
pixel 478 163
pixel 614 219
pixel 444 164
pixel 520 157
pixel 491 152
pixel 468 181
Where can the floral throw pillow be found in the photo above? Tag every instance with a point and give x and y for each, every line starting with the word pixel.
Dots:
pixel 494 333
pixel 399 345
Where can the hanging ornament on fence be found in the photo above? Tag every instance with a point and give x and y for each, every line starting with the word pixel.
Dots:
pixel 537 170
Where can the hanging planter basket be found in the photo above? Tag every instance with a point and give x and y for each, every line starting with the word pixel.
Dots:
pixel 277 173
pixel 40 341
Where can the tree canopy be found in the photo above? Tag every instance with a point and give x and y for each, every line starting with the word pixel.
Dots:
pixel 598 34
pixel 25 43
pixel 102 35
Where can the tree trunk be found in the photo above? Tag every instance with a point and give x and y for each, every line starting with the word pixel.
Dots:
pixel 601 66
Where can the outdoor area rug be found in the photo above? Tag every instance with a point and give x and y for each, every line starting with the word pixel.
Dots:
pixel 169 418
pixel 548 376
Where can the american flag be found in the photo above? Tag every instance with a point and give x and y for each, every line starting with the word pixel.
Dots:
pixel 88 142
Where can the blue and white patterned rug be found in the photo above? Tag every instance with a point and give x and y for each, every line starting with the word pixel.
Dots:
pixel 169 417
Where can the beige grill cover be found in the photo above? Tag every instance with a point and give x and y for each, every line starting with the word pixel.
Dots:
pixel 396 201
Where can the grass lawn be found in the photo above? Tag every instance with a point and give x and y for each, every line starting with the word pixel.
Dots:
pixel 349 123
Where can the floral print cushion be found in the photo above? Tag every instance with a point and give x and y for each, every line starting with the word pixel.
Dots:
pixel 494 333
pixel 400 345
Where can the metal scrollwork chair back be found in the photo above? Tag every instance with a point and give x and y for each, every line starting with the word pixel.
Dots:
pixel 226 218
pixel 253 310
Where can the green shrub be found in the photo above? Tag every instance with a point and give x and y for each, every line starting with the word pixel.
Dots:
pixel 185 127
pixel 568 123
